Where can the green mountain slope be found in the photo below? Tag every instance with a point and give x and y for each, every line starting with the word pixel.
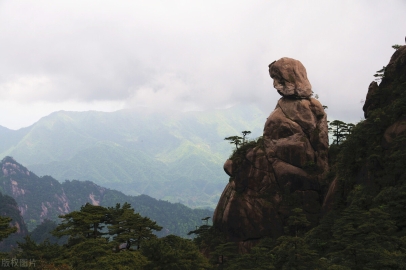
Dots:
pixel 41 198
pixel 136 152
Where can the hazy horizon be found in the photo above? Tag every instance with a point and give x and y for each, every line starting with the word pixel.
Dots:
pixel 186 56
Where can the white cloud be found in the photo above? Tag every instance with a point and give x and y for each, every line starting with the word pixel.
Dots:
pixel 191 55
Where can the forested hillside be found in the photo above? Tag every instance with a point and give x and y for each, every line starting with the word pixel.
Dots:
pixel 172 156
pixel 10 215
pixel 41 198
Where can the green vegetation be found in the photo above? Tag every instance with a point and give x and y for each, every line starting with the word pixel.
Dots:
pixel 167 148
pixel 339 130
pixel 380 74
pixel 234 140
pixel 12 226
pixel 46 198
pixel 396 46
pixel 5 228
pixel 110 238
pixel 365 227
pixel 43 232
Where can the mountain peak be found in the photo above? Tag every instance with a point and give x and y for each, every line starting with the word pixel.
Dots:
pixel 9 166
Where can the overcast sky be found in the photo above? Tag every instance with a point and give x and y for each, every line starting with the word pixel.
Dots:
pixel 187 55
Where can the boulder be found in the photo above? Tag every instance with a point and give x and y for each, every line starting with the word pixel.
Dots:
pixel 290 78
pixel 228 167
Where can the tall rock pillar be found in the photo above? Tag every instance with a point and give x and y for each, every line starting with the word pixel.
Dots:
pixel 280 171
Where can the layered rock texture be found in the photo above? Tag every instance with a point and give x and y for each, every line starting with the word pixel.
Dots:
pixel 281 170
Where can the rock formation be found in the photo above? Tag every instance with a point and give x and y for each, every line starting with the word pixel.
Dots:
pixel 290 78
pixel 281 170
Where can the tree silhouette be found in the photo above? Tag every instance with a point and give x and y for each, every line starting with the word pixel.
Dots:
pixel 244 134
pixel 86 223
pixel 234 140
pixel 237 140
pixel 396 46
pixel 380 74
pixel 340 130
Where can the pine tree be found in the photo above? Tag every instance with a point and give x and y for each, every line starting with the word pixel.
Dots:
pixel 339 130
pixel 244 134
pixel 45 253
pixel 294 253
pixel 365 239
pixel 259 257
pixel 234 140
pixel 83 224
pixel 173 252
pixel 5 228
pixel 297 221
pixel 129 227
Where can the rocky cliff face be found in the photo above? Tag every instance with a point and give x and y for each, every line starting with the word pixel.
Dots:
pixel 40 198
pixel 9 208
pixel 376 156
pixel 25 187
pixel 280 171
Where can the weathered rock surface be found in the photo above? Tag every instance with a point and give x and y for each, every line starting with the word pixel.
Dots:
pixel 385 118
pixel 290 78
pixel 282 170
pixel 368 105
pixel 394 76
pixel 394 131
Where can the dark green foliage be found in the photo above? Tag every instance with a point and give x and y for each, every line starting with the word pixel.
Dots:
pixel 234 140
pixel 208 238
pixel 43 252
pixel 56 198
pixel 294 253
pixel 366 229
pixel 104 146
pixel 364 238
pixel 340 130
pixel 5 228
pixel 297 222
pixel 12 226
pixel 86 223
pixel 239 153
pixel 43 232
pixel 89 246
pixel 259 258
pixel 224 253
pixel 244 134
pixel 396 46
pixel 173 252
pixel 237 140
pixel 129 227
pixel 380 74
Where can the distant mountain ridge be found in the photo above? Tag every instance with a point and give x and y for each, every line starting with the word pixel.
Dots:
pixel 172 156
pixel 40 198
